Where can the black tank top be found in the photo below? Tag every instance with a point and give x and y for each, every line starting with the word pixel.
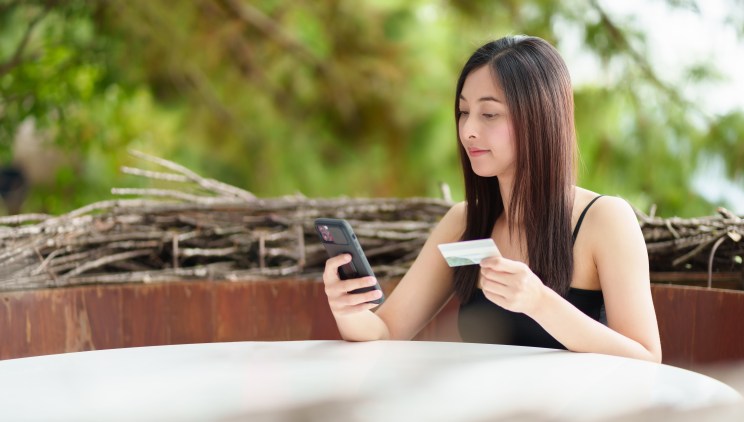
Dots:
pixel 482 321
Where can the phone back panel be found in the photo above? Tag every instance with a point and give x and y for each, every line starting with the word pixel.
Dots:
pixel 338 238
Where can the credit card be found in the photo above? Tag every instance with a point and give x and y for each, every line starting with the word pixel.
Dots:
pixel 469 252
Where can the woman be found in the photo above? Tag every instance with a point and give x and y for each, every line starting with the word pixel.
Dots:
pixel 514 111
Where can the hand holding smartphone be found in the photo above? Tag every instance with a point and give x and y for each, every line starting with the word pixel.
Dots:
pixel 338 238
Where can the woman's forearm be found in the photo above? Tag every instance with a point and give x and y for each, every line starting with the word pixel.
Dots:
pixel 580 333
pixel 362 326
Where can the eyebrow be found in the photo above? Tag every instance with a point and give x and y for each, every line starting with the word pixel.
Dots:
pixel 481 99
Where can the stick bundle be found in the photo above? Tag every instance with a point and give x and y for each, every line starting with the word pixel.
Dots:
pixel 203 230
pixel 206 229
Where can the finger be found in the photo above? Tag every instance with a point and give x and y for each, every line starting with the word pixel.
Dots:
pixel 358 283
pixel 496 287
pixel 353 299
pixel 356 308
pixel 503 265
pixel 346 286
pixel 491 260
pixel 491 275
pixel 495 298
pixel 330 274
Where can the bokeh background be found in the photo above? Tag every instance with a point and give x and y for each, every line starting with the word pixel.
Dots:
pixel 355 98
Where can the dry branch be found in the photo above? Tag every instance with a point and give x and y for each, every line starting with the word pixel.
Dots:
pixel 226 233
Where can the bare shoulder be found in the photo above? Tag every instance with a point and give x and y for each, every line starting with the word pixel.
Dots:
pixel 612 211
pixel 606 212
pixel 458 209
pixel 612 235
pixel 610 226
pixel 452 225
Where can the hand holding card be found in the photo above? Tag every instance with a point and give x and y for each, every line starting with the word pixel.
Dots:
pixel 469 252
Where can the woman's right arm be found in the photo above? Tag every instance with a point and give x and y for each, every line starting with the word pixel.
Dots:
pixel 423 291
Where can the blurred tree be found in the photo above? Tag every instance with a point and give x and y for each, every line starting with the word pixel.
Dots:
pixel 65 116
pixel 329 97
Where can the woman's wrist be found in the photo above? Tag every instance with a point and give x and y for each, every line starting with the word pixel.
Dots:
pixel 542 302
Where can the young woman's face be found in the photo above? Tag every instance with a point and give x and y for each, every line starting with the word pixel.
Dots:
pixel 484 127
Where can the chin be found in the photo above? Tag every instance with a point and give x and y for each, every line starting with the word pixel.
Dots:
pixel 483 172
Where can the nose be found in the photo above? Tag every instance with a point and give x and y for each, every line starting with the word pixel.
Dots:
pixel 468 128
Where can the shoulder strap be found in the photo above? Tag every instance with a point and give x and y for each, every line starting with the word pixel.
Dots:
pixel 581 217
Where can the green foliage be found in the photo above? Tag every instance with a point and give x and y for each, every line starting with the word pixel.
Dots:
pixel 328 97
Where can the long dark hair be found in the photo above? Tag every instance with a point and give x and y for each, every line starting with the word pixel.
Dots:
pixel 538 94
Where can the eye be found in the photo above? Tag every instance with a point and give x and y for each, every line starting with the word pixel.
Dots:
pixel 489 115
pixel 464 113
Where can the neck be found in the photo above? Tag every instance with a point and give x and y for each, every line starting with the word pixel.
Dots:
pixel 506 183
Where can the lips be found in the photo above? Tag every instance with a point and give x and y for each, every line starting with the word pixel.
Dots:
pixel 475 152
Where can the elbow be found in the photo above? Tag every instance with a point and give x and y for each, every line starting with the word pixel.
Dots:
pixel 653 354
pixel 656 356
pixel 651 357
pixel 359 337
pixel 655 350
pixel 355 340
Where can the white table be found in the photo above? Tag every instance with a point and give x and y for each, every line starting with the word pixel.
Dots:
pixel 335 380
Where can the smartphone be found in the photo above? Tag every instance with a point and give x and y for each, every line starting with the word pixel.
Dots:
pixel 338 238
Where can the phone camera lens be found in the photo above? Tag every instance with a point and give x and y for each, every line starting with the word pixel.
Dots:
pixel 326 234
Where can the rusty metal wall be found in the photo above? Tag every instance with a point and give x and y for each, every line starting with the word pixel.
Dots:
pixel 697 325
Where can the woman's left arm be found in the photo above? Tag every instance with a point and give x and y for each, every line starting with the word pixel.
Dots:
pixel 620 255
